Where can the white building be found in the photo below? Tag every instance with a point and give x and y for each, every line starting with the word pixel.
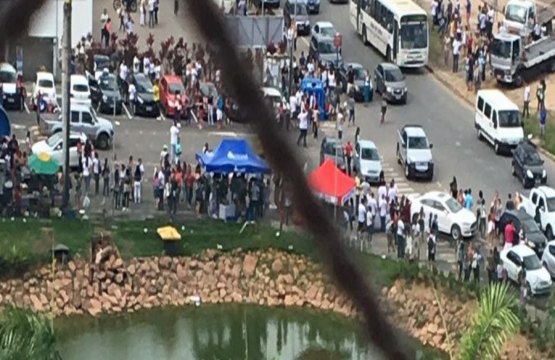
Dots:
pixel 40 47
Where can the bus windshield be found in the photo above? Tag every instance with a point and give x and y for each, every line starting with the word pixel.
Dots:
pixel 414 32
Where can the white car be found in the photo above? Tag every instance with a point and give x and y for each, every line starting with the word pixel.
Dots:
pixel 548 258
pixel 323 29
pixel 80 92
pixel 368 160
pixel 521 257
pixel 46 86
pixel 54 147
pixel 452 218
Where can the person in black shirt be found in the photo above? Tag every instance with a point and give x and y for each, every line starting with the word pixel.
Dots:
pixel 350 79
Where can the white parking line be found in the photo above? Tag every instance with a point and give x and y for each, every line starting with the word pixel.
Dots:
pixel 126 111
pixel 26 108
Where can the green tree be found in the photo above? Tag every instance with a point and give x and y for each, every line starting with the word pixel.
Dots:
pixel 26 335
pixel 493 323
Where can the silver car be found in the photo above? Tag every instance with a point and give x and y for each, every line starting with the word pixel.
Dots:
pixel 390 83
pixel 368 161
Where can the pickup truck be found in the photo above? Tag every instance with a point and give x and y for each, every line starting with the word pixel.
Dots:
pixel 541 206
pixel 83 120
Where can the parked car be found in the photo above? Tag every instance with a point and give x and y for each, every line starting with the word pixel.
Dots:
pixel 521 257
pixel 323 50
pixel 390 83
pixel 296 12
pixel 452 218
pixel 111 100
pixel 541 206
pixel 53 146
pixel 8 80
pixel 359 80
pixel 367 160
pixel 548 258
pixel 274 96
pixel 101 62
pixel 323 29
pixel 527 165
pixel 79 90
pixel 414 152
pixel 170 87
pixel 84 120
pixel 145 104
pixel 44 83
pixel 535 239
pixel 332 149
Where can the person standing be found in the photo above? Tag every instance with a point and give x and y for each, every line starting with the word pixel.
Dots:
pixel 132 94
pixel 383 110
pixel 401 240
pixel 540 97
pixel 526 106
pixel 456 53
pixel 151 13
pixel 137 184
pixel 482 214
pixel 156 8
pixel 349 156
pixel 142 11
pixel 367 85
pixel 303 127
pixel 509 233
pixel 96 173
pixel 339 120
pixel 106 178
pixel 351 107
pixel 543 120
pixel 361 217
pixel 174 139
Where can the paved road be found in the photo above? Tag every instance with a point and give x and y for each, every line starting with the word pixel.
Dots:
pixel 448 123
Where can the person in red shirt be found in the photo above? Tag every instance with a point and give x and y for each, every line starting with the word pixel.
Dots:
pixel 509 233
pixel 349 156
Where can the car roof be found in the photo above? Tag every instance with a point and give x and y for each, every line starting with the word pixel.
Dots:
pixel 522 250
pixel 414 130
pixel 79 107
pixel 547 191
pixel 368 144
pixel 528 147
pixel 269 91
pixel 173 79
pixel 7 67
pixel 354 65
pixel 78 79
pixel 438 195
pixel 389 66
pixel 45 75
pixel 324 24
pixel 497 99
pixel 520 214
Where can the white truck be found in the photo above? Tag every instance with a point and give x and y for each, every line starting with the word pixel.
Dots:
pixel 541 206
pixel 522 15
pixel 513 61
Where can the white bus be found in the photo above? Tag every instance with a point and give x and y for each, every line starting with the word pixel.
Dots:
pixel 397 28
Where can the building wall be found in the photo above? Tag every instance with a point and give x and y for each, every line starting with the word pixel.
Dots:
pixel 37 52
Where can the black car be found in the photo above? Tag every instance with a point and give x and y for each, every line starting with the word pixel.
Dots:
pixel 110 95
pixel 359 79
pixel 527 165
pixel 535 239
pixel 296 12
pixel 145 104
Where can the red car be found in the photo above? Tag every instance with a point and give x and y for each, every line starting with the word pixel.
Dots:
pixel 170 87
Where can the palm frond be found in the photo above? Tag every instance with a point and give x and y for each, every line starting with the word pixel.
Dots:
pixel 26 335
pixel 491 326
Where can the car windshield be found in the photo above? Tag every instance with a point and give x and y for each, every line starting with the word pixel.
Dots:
pixel 532 158
pixel 53 140
pixel 414 32
pixel 530 226
pixel 501 48
pixel 326 47
pixel 418 142
pixel 515 12
pixel 143 86
pixel 334 149
pixel 394 75
pixel 453 205
pixel 359 73
pixel 299 9
pixel 327 31
pixel 7 77
pixel 208 90
pixel 509 118
pixel 44 83
pixel 108 83
pixel 176 88
pixel 369 154
pixel 80 88
pixel 531 262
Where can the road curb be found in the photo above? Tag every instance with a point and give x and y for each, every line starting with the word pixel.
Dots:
pixel 457 92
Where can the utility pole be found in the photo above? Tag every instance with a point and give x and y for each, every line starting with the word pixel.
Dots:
pixel 66 110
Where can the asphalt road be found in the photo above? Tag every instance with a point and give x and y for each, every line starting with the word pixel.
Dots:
pixel 447 120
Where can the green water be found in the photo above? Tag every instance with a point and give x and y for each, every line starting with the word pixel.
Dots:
pixel 213 333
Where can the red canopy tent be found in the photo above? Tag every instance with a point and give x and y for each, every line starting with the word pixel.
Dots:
pixel 331 184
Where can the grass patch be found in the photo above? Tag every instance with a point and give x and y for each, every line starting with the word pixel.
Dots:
pixel 435 49
pixel 532 126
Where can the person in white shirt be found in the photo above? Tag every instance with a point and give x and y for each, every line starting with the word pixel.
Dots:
pixel 526 107
pixel 456 54
pixel 142 12
pixel 401 241
pixel 382 204
pixel 132 93
pixel 303 126
pixel 174 139
pixel 146 65
pixel 87 163
pixel 331 80
pixel 392 191
pixel 129 25
pixel 361 217
pixel 123 72
pixel 151 4
pixel 370 213
pixel 96 173
pixel 136 64
pixel 137 180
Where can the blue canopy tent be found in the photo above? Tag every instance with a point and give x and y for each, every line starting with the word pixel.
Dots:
pixel 316 87
pixel 233 155
pixel 5 127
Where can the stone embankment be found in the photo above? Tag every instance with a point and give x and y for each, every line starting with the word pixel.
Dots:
pixel 270 278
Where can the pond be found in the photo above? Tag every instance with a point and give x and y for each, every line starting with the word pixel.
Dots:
pixel 213 332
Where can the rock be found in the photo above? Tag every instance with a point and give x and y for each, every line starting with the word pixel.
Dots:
pixel 64 297
pixel 289 300
pixel 165 262
pixel 118 263
pixel 277 265
pixel 131 269
pixel 181 272
pixel 432 328
pixel 71 266
pixel 249 265
pixel 437 340
pixel 37 304
pixel 43 299
pixel 288 279
pixel 236 271
pixel 119 278
pixel 95 307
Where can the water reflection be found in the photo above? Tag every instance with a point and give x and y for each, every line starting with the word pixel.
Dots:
pixel 213 332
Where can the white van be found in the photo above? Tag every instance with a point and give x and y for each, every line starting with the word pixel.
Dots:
pixel 80 92
pixel 498 120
